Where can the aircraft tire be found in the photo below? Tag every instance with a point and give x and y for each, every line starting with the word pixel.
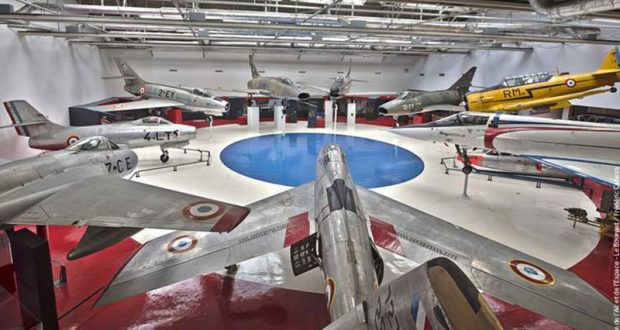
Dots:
pixel 164 157
pixel 613 89
pixel 467 169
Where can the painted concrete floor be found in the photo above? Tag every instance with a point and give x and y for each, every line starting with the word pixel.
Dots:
pixel 262 295
pixel 512 212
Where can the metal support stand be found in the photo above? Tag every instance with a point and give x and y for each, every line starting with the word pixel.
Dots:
pixel 465 185
pixel 174 167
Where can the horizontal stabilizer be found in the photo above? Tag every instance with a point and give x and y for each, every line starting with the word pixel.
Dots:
pixel 495 269
pixel 118 77
pixel 272 224
pixel 24 124
pixel 436 293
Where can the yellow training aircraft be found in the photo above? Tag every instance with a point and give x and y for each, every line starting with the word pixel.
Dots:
pixel 546 91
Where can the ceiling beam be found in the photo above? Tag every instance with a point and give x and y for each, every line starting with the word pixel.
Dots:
pixel 412 31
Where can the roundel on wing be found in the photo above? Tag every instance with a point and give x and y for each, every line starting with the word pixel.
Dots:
pixel 182 244
pixel 72 139
pixel 203 210
pixel 531 272
pixel 570 83
pixel 141 90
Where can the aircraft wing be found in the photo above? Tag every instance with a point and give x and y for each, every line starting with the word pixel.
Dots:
pixel 272 224
pixel 601 172
pixel 106 201
pixel 442 107
pixel 494 268
pixel 373 94
pixel 437 292
pixel 136 105
pixel 549 101
pixel 318 88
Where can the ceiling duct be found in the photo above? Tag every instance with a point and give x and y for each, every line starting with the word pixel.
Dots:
pixel 572 8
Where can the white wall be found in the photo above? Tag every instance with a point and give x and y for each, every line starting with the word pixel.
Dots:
pixel 51 76
pixel 494 65
pixel 196 71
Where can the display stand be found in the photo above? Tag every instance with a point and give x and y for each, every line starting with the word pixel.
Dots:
pixel 279 117
pixel 565 113
pixel 351 109
pixel 253 119
pixel 33 270
pixel 329 113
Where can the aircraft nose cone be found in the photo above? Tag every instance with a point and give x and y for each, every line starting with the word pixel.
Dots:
pixel 191 132
pixel 334 92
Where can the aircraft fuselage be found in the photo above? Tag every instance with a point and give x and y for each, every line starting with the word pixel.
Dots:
pixel 346 248
pixel 277 88
pixel 522 135
pixel 132 134
pixel 418 101
pixel 516 97
pixel 210 105
pixel 17 194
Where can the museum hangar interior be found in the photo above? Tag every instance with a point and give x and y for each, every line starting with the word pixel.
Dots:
pixel 233 164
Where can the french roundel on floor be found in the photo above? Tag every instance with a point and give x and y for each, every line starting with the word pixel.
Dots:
pixel 290 159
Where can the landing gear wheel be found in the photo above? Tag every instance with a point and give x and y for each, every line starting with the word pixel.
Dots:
pixel 467 169
pixel 164 157
pixel 613 89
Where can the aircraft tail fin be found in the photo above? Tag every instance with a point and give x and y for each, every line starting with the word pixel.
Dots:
pixel 27 120
pixel 255 73
pixel 462 85
pixel 612 60
pixel 127 72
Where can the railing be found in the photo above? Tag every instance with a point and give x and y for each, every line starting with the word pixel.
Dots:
pixel 202 159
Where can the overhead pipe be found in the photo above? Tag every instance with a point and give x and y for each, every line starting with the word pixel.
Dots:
pixel 181 47
pixel 573 8
pixel 413 31
pixel 249 38
pixel 513 6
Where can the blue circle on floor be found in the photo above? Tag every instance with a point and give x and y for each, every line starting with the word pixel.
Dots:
pixel 289 159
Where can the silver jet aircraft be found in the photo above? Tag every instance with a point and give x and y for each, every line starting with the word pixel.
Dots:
pixel 414 101
pixel 340 87
pixel 145 132
pixel 276 87
pixel 81 186
pixel 585 149
pixel 153 95
pixel 324 223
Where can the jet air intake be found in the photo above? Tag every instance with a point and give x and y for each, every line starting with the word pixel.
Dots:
pixel 303 96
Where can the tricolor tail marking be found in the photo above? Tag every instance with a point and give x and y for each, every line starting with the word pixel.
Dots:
pixel 16 119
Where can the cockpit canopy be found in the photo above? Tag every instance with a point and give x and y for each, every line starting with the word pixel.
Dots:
pixel 526 79
pixel 93 143
pixel 461 119
pixel 406 95
pixel 201 92
pixel 285 80
pixel 152 121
